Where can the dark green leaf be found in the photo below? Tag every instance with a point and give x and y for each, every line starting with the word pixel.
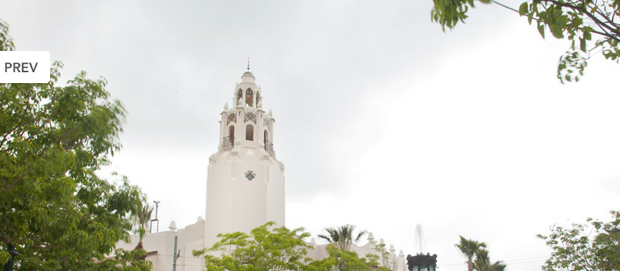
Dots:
pixel 523 8
pixel 582 44
pixel 541 30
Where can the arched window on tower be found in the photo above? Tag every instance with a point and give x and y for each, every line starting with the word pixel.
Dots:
pixel 230 139
pixel 249 132
pixel 239 96
pixel 268 144
pixel 249 97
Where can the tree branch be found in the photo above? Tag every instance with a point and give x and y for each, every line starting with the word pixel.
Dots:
pixel 6 136
pixel 505 6
pixel 601 24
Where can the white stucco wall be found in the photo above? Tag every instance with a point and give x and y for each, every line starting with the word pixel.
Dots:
pixel 191 238
pixel 235 203
pixel 392 260
pixel 161 247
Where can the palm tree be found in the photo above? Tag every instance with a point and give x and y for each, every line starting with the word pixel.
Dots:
pixel 497 266
pixel 342 237
pixel 141 218
pixel 483 262
pixel 469 248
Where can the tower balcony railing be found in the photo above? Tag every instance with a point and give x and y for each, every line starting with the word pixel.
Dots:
pixel 228 141
pixel 268 146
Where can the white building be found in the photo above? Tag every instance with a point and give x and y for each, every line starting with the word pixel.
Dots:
pixel 245 188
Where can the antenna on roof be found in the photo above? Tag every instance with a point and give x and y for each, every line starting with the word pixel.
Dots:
pixel 155 220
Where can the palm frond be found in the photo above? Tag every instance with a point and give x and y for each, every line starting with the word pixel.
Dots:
pixel 342 237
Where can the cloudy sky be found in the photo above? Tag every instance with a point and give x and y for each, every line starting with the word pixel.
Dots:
pixel 382 120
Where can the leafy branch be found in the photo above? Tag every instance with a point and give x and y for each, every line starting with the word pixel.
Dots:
pixel 577 19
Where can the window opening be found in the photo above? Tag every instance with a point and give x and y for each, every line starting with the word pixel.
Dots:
pixel 249 133
pixel 268 144
pixel 230 139
pixel 249 97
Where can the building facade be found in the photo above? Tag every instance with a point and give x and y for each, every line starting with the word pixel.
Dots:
pixel 245 185
pixel 245 189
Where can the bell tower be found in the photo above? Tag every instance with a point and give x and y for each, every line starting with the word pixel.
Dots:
pixel 245 183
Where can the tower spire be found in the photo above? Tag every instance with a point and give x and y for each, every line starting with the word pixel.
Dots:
pixel 248 63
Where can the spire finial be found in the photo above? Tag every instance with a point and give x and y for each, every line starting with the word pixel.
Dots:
pixel 248 63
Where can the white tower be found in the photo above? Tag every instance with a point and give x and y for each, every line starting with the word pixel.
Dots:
pixel 245 184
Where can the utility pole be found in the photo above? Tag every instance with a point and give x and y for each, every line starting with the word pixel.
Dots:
pixel 176 254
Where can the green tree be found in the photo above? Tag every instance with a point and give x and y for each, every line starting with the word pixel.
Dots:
pixel 346 260
pixel 469 248
pixel 382 251
pixel 590 25
pixel 592 246
pixel 141 218
pixel 343 236
pixel 483 262
pixel 54 208
pixel 265 248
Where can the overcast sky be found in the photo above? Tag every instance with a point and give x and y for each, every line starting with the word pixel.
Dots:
pixel 382 120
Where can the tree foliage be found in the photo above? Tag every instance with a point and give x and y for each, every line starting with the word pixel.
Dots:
pixel 483 262
pixel 384 255
pixel 346 260
pixel 342 237
pixel 140 218
pixel 54 208
pixel 270 248
pixel 265 248
pixel 592 26
pixel 469 248
pixel 592 246
pixel 478 256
